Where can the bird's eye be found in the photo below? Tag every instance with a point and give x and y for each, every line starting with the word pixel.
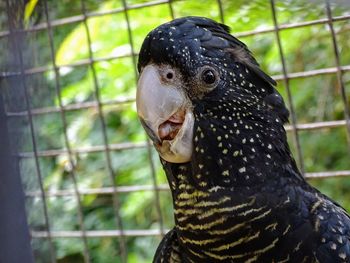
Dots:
pixel 169 75
pixel 208 76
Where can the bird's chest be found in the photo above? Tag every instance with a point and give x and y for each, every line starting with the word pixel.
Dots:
pixel 218 226
pixel 218 221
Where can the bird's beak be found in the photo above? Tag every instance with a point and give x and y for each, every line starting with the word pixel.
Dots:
pixel 166 115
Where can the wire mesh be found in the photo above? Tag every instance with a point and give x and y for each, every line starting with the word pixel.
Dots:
pixel 17 34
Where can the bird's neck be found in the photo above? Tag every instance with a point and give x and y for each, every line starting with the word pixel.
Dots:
pixel 239 154
pixel 235 163
pixel 230 161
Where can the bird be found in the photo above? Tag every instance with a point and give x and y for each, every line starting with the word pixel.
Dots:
pixel 217 121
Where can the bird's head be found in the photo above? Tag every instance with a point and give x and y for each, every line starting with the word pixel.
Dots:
pixel 201 90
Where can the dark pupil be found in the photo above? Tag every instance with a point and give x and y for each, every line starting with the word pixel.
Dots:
pixel 169 75
pixel 208 76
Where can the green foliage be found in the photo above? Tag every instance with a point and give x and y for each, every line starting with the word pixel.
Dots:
pixel 29 9
pixel 314 98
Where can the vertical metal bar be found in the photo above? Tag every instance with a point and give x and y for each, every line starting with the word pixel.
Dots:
pixel 289 94
pixel 340 78
pixel 152 165
pixel 14 232
pixel 171 9
pixel 112 175
pixel 131 42
pixel 221 11
pixel 155 189
pixel 66 140
pixel 16 39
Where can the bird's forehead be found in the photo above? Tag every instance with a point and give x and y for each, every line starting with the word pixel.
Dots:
pixel 167 45
pixel 180 45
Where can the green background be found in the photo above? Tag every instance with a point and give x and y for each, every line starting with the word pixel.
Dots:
pixel 315 99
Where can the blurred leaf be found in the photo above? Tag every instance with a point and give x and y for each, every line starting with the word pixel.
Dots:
pixel 29 8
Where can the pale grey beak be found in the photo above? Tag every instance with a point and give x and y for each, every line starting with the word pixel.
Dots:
pixel 156 103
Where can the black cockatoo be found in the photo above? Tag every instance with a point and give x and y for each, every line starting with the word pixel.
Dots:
pixel 217 122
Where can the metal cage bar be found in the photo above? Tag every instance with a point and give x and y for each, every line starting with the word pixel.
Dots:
pixel 64 21
pixel 162 187
pixel 171 9
pixel 144 232
pixel 340 78
pixel 155 189
pixel 112 175
pixel 86 252
pixel 116 102
pixel 79 18
pixel 287 86
pixel 221 11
